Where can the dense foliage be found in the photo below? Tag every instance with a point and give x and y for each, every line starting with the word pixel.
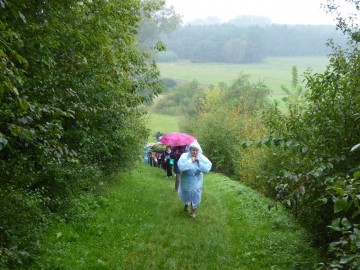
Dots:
pixel 317 166
pixel 72 82
pixel 229 43
pixel 317 172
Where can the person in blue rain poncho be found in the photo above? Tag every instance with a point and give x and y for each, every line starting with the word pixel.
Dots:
pixel 192 165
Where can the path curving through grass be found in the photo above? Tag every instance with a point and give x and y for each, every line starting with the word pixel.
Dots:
pixel 139 223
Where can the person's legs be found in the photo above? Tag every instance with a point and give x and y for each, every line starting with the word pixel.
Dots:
pixel 169 170
pixel 185 197
pixel 195 201
pixel 177 181
pixel 193 210
pixel 164 165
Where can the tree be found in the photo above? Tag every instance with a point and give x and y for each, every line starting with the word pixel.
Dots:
pixel 234 50
pixel 72 86
pixel 317 168
pixel 157 21
pixel 245 21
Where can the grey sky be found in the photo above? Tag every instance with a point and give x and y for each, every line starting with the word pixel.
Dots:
pixel 279 11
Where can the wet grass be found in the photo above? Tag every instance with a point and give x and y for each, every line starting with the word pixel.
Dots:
pixel 139 223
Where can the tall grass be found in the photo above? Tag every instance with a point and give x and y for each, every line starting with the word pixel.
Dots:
pixel 140 224
pixel 273 71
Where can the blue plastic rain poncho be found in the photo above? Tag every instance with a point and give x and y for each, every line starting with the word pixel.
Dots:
pixel 191 176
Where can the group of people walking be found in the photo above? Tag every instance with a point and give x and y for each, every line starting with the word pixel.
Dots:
pixel 164 160
pixel 188 164
pixel 167 160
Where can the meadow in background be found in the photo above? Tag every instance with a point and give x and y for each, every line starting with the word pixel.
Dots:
pixel 273 71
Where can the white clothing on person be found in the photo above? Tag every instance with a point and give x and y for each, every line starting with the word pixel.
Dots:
pixel 191 176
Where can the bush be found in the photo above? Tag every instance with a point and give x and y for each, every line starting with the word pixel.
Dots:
pixel 72 86
pixel 233 108
pixel 23 218
pixel 183 99
pixel 168 84
pixel 315 164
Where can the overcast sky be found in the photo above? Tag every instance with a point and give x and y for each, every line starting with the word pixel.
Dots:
pixel 279 11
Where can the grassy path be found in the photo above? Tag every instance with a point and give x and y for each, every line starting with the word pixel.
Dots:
pixel 139 223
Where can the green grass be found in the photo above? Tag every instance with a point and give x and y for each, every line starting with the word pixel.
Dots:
pixel 139 223
pixel 162 123
pixel 273 71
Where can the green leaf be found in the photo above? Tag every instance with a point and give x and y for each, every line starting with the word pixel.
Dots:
pixel 22 17
pixel 355 214
pixel 277 141
pixel 335 225
pixel 3 143
pixel 288 202
pixel 329 165
pixel 24 104
pixel 15 130
pixel 248 143
pixel 259 143
pixel 346 223
pixel 348 258
pixel 317 172
pixel 292 143
pixel 355 147
pixel 268 143
pixel 340 205
pixel 14 90
pixel 304 150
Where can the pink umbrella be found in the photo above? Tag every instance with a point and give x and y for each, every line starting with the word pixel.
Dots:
pixel 177 139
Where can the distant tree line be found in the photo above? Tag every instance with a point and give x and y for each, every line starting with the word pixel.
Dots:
pixel 241 20
pixel 231 43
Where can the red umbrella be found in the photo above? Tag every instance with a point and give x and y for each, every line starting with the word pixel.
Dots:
pixel 177 139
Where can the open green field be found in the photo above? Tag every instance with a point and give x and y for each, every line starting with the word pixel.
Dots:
pixel 162 123
pixel 273 71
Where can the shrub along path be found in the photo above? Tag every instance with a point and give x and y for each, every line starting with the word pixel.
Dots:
pixel 139 223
